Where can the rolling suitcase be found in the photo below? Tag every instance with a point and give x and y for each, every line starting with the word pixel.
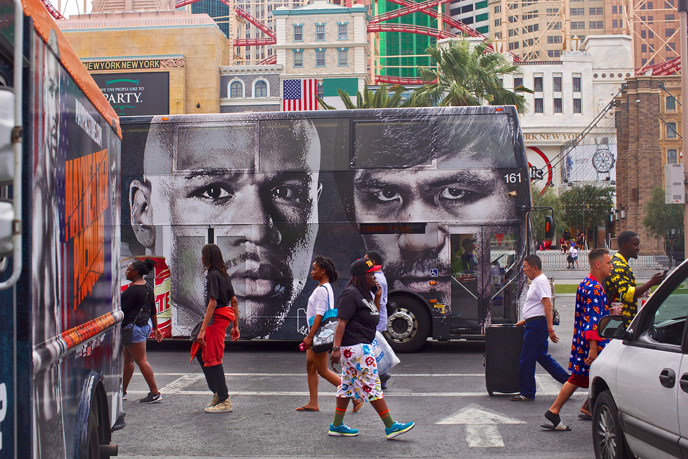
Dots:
pixel 502 352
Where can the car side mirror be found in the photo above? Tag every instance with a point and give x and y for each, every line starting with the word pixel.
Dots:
pixel 612 327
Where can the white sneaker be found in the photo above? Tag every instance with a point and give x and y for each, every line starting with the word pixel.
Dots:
pixel 222 407
pixel 214 401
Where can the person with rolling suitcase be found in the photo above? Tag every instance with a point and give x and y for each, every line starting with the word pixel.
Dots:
pixel 538 329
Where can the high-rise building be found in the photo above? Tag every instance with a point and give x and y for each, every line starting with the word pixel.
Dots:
pixel 473 13
pixel 215 9
pixel 543 30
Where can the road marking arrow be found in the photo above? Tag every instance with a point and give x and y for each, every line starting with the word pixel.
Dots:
pixel 481 425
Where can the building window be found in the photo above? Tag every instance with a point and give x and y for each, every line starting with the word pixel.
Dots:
pixel 343 57
pixel 643 48
pixel 577 11
pixel 671 130
pixel 577 25
pixel 556 26
pixel 320 58
pixel 236 89
pixel 595 11
pixel 668 32
pixel 518 82
pixel 615 23
pixel 497 9
pixel 650 34
pixel 320 32
pixel 556 81
pixel 343 31
pixel 596 25
pixel 577 106
pixel 554 52
pixel 576 84
pixel 537 84
pixel 298 32
pixel 539 106
pixel 260 88
pixel 319 90
pixel 670 104
pixel 671 157
pixel 557 106
pixel 671 46
pixel 669 17
pixel 643 34
pixel 298 58
pixel 615 9
pixel 554 39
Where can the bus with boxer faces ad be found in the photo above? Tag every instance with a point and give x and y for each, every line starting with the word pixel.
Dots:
pixel 442 193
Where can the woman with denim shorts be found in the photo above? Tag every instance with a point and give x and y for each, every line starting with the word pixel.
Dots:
pixel 137 301
pixel 358 312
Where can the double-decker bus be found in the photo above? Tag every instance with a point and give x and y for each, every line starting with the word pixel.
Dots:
pixel 442 193
pixel 60 361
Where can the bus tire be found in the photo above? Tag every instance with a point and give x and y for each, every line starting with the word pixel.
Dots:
pixel 408 326
pixel 93 447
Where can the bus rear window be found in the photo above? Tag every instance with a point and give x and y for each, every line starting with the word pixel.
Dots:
pixel 475 141
pixel 445 142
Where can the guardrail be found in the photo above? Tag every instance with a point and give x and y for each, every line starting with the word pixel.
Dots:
pixel 553 260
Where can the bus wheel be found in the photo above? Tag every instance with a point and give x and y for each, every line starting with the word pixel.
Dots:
pixel 93 450
pixel 408 326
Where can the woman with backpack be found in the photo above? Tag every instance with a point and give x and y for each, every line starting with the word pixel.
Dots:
pixel 138 306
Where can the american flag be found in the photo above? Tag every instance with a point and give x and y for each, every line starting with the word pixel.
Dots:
pixel 299 94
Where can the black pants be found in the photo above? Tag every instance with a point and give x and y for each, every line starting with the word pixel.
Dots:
pixel 215 377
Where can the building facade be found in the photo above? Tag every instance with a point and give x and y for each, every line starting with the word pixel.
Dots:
pixel 155 62
pixel 324 41
pixel 648 122
pixel 245 88
pixel 473 13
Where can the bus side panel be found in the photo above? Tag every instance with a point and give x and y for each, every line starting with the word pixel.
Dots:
pixel 75 215
pixel 15 312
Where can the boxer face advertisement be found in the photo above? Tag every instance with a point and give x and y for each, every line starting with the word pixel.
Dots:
pixel 274 190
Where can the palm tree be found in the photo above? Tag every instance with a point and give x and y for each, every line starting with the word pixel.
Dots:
pixel 467 75
pixel 376 99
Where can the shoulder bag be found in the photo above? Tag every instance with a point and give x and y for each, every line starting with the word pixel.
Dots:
pixel 323 340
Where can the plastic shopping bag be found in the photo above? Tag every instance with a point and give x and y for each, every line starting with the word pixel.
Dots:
pixel 384 355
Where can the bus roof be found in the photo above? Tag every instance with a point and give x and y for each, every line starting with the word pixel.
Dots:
pixel 43 23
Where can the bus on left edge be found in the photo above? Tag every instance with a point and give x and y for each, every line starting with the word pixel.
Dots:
pixel 60 361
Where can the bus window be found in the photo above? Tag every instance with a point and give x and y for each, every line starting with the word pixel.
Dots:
pixel 464 145
pixel 406 143
pixel 503 271
pixel 465 272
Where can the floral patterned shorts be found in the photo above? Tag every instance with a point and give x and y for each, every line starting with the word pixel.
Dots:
pixel 360 379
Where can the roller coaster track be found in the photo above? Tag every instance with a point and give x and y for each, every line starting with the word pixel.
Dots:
pixel 407 28
pixel 52 10
pixel 665 68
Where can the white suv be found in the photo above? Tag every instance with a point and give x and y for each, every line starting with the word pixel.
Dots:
pixel 639 383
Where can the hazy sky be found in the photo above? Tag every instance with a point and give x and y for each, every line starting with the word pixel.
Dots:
pixel 71 7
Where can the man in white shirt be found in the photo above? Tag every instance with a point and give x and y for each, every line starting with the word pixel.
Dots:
pixel 376 258
pixel 573 253
pixel 537 319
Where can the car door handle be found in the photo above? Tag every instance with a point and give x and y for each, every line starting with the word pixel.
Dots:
pixel 684 382
pixel 667 377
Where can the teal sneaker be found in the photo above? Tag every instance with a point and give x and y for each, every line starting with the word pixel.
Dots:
pixel 398 428
pixel 342 430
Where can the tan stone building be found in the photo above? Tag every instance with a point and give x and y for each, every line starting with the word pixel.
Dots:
pixel 648 123
pixel 151 62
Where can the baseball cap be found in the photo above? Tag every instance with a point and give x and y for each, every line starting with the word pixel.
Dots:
pixel 362 266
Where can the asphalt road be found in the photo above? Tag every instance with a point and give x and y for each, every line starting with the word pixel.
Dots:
pixel 441 388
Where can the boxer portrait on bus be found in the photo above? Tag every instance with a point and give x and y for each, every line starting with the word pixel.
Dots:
pixel 205 182
pixel 445 170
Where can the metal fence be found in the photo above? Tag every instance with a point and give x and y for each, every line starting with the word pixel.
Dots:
pixel 553 260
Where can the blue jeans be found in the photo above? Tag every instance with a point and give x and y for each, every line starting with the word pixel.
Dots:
pixel 535 343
